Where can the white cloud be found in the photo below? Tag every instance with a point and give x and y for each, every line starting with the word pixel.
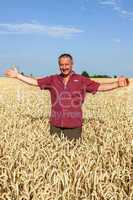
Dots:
pixel 116 40
pixel 112 3
pixel 84 5
pixel 54 31
pixel 117 6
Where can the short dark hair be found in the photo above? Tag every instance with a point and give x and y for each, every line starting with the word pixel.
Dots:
pixel 65 55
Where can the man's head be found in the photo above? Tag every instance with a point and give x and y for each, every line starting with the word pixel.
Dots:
pixel 65 62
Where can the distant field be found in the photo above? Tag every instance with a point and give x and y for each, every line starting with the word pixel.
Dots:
pixel 37 166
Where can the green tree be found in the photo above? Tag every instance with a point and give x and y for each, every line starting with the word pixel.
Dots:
pixel 22 73
pixel 85 73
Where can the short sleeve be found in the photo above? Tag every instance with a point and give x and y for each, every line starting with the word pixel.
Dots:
pixel 45 82
pixel 91 85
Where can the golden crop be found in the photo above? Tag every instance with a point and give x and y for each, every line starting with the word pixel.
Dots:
pixel 37 166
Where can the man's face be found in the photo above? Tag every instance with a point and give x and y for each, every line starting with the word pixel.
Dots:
pixel 65 65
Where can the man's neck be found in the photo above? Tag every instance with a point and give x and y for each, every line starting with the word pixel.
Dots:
pixel 67 76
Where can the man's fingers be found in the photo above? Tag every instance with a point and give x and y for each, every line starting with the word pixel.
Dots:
pixel 127 81
pixel 7 72
pixel 123 81
pixel 11 73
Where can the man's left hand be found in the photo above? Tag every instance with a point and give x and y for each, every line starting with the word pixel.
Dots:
pixel 123 81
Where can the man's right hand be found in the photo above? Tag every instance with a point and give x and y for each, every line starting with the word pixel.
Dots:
pixel 12 73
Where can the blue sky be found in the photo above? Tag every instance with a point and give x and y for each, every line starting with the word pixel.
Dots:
pixel 98 33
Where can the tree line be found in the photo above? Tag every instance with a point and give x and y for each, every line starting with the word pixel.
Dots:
pixel 86 74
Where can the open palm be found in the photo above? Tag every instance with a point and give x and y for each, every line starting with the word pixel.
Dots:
pixel 123 81
pixel 12 73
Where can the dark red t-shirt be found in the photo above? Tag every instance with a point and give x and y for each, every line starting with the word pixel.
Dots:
pixel 67 100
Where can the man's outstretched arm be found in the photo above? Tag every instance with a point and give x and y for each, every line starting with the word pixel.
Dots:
pixel 14 74
pixel 121 82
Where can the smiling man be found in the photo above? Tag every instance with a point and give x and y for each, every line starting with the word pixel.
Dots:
pixel 67 91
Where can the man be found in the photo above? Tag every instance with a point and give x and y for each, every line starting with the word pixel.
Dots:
pixel 67 91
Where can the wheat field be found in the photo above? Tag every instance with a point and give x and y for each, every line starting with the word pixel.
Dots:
pixel 37 166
